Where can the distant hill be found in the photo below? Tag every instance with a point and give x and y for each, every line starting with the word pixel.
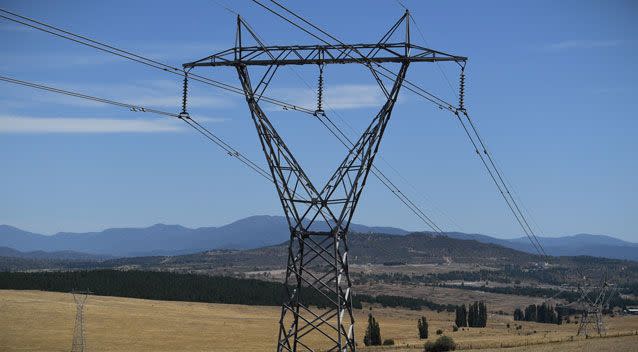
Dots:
pixel 575 245
pixel 58 255
pixel 251 232
pixel 262 231
pixel 371 248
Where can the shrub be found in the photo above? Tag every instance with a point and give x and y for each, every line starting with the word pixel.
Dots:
pixel 442 344
pixel 455 328
pixel 388 342
pixel 439 331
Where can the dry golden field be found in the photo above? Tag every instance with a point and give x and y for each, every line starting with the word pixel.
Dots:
pixel 43 321
pixel 447 295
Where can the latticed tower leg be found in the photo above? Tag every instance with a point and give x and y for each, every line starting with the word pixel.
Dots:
pixel 78 330
pixel 584 322
pixel 317 266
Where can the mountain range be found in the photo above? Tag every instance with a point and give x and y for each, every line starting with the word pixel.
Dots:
pixel 254 232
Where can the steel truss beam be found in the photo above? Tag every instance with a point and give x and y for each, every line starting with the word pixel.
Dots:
pixel 324 54
pixel 317 265
pixel 280 55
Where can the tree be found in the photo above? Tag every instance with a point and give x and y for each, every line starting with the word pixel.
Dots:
pixel 373 332
pixel 464 315
pixel 477 315
pixel 423 328
pixel 461 316
pixel 471 315
pixel 531 313
pixel 543 313
pixel 482 312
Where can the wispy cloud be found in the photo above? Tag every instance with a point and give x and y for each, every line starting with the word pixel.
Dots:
pixel 163 94
pixel 338 97
pixel 74 57
pixel 25 124
pixel 583 44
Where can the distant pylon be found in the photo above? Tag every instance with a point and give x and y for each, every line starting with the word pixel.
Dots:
pixel 594 304
pixel 78 331
pixel 593 317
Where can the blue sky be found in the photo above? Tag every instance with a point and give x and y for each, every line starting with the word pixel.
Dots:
pixel 550 84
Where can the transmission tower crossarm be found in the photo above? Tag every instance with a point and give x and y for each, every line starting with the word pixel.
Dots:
pixel 324 54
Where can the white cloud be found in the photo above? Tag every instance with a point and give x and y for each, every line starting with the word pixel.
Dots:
pixel 24 124
pixel 349 96
pixel 162 94
pixel 583 44
pixel 174 54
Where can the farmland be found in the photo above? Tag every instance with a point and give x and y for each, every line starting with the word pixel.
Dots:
pixel 43 321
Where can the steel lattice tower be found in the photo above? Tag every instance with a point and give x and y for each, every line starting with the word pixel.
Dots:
pixel 592 311
pixel 78 331
pixel 317 266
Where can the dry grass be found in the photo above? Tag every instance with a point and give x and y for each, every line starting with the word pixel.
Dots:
pixel 445 295
pixel 43 321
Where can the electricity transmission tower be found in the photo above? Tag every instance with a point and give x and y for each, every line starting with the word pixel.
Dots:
pixel 78 331
pixel 317 265
pixel 592 304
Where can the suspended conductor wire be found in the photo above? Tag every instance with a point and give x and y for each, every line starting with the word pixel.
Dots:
pixel 441 103
pixel 86 41
pixel 143 60
pixel 137 108
pixel 319 113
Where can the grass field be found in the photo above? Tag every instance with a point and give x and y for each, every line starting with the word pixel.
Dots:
pixel 43 321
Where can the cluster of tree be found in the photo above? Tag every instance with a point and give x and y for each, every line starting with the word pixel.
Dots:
pixel 631 289
pixel 482 275
pixel 373 332
pixel 543 313
pixel 423 328
pixel 553 276
pixel 475 316
pixel 521 291
pixel 186 287
pixel 406 302
pixel 150 285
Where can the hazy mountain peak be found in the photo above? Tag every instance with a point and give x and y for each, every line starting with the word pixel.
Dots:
pixel 267 230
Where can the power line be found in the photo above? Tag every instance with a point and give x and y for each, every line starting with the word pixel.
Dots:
pixel 500 177
pixel 92 43
pixel 502 187
pixel 84 40
pixel 167 68
pixel 503 194
pixel 348 143
pixel 409 85
pixel 138 108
